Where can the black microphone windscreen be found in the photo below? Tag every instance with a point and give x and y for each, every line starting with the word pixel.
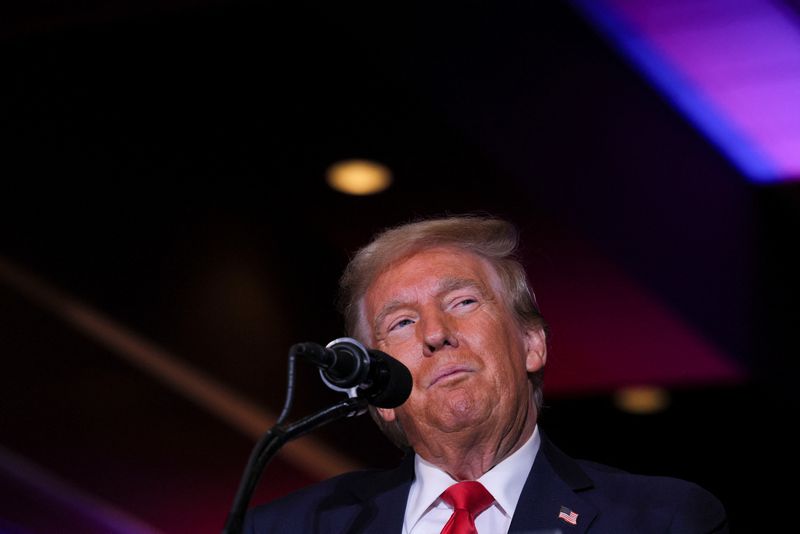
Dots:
pixel 396 382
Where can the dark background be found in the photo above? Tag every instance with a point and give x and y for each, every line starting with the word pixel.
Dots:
pixel 163 163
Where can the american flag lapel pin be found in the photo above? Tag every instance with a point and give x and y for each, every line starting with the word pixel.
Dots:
pixel 568 515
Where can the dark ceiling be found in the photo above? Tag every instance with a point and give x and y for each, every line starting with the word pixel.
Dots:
pixel 163 165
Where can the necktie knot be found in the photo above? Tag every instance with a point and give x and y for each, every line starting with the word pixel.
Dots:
pixel 468 499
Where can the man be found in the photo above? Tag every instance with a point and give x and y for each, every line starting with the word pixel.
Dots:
pixel 448 299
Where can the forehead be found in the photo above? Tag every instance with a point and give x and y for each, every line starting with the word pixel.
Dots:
pixel 423 272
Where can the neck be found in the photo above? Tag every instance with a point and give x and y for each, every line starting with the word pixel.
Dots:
pixel 467 455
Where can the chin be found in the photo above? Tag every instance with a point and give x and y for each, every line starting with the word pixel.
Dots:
pixel 462 410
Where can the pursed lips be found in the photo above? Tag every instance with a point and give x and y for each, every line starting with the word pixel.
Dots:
pixel 448 370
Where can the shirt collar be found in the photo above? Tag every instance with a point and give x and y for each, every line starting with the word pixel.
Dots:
pixel 504 481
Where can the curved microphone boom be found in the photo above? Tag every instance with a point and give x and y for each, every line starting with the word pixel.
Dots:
pixel 366 375
pixel 347 365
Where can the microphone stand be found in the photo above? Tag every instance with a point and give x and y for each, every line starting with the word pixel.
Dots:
pixel 275 438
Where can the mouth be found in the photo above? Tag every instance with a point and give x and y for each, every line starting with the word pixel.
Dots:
pixel 448 372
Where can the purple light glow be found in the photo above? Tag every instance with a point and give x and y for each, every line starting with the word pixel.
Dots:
pixel 732 67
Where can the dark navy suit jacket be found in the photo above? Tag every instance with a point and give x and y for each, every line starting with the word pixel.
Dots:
pixel 605 500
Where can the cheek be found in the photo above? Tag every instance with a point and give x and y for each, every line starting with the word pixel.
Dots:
pixel 402 348
pixel 506 348
pixel 489 334
pixel 400 338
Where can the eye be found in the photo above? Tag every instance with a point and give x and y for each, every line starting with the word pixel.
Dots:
pixel 463 302
pixel 400 324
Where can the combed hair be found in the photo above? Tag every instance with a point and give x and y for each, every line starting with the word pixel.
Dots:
pixel 492 238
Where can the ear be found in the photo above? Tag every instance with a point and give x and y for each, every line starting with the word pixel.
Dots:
pixel 387 414
pixel 535 349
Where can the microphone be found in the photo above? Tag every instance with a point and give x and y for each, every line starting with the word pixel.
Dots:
pixel 347 365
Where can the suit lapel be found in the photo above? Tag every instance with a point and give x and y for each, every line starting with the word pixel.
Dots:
pixel 551 488
pixel 373 504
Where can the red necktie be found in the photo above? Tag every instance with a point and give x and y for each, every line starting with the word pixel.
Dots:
pixel 468 499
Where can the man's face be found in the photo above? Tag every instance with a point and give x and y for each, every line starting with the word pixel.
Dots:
pixel 442 313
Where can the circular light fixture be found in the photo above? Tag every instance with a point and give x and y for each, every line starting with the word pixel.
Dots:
pixel 359 177
pixel 642 399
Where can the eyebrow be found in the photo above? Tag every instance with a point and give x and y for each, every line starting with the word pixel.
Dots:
pixel 454 284
pixel 446 285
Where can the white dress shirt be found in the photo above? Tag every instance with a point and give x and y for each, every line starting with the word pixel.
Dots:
pixel 426 513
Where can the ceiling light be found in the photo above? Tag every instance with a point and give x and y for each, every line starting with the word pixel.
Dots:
pixel 642 399
pixel 359 177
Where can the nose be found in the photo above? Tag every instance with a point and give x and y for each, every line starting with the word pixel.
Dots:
pixel 438 332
